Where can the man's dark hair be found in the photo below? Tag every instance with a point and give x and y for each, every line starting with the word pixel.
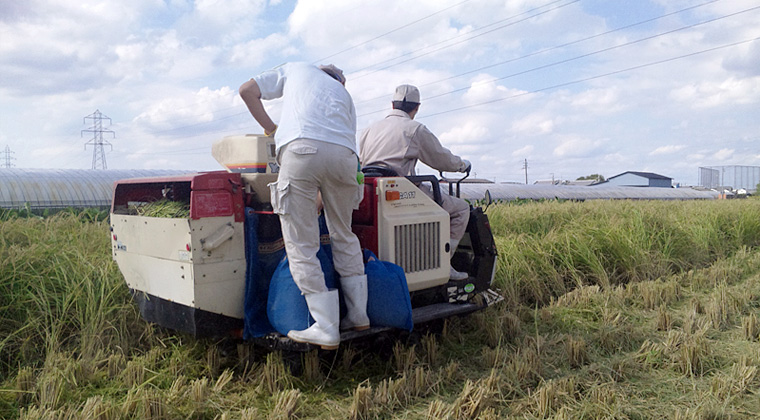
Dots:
pixel 405 106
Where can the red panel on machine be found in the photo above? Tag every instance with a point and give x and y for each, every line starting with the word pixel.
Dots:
pixel 364 220
pixel 216 194
pixel 210 194
pixel 210 204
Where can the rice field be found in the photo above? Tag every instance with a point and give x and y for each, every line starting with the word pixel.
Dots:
pixel 613 310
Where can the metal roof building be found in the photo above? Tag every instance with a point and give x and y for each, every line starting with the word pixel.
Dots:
pixel 61 188
pixel 509 192
pixel 639 179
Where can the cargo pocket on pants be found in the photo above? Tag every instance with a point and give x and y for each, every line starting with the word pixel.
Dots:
pixel 359 196
pixel 279 197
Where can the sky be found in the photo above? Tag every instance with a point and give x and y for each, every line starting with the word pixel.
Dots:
pixel 536 89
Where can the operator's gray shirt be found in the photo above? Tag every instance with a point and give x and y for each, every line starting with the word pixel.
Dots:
pixel 399 142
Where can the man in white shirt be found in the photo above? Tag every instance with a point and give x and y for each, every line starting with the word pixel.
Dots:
pixel 316 149
pixel 399 142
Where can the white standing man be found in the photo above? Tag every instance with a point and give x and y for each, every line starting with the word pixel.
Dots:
pixel 316 149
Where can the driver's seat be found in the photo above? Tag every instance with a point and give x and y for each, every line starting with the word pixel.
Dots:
pixel 378 171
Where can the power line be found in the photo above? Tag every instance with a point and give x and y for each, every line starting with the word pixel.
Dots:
pixel 565 61
pixel 465 40
pixel 555 47
pixel 587 79
pixel 395 30
pixel 459 36
pixel 553 64
pixel 390 32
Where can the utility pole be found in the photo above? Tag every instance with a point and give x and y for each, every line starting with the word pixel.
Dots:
pixel 7 158
pixel 98 152
pixel 525 167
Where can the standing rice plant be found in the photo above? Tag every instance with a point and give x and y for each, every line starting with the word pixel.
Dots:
pixel 391 393
pixel 25 383
pixel 664 319
pixel 475 397
pixel 79 300
pixel 286 405
pixel 430 347
pixel 548 248
pixel 721 307
pixel 361 404
pixel 96 408
pixel 404 357
pixel 213 360
pixel 438 410
pixel 750 327
pixel 691 357
pixel 275 376
pixel 577 351
pixel 312 370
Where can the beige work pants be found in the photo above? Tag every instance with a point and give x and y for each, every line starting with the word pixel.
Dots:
pixel 306 168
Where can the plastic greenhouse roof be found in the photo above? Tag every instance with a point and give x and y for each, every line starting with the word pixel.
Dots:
pixel 61 188
pixel 509 192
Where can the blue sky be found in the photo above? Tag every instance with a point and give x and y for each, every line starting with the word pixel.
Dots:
pixel 574 87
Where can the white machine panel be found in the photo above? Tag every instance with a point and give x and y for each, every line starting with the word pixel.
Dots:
pixel 413 232
pixel 197 263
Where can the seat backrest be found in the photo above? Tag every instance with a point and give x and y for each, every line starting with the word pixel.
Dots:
pixel 379 170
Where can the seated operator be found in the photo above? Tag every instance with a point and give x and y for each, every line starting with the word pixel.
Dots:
pixel 399 142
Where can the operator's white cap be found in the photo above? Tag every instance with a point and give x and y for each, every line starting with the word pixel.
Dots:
pixel 407 93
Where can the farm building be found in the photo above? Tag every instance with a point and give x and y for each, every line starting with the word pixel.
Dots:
pixel 639 179
pixel 61 188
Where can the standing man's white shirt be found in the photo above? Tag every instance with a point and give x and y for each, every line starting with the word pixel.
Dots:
pixel 314 106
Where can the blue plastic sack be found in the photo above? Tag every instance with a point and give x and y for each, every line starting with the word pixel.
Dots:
pixel 286 306
pixel 388 300
pixel 263 251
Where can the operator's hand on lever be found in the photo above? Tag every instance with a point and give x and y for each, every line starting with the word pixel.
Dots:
pixel 466 166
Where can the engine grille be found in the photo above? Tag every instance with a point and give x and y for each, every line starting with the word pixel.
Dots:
pixel 418 246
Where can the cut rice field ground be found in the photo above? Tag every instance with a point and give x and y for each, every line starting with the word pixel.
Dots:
pixel 613 310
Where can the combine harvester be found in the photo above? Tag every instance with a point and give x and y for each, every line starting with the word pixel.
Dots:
pixel 189 273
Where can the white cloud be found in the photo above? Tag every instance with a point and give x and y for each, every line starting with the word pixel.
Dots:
pixel 470 132
pixel 526 150
pixel 484 89
pixel 723 154
pixel 710 94
pixel 598 101
pixel 255 52
pixel 667 150
pixel 189 109
pixel 533 124
pixel 574 146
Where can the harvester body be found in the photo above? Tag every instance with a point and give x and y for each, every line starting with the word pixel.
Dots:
pixel 188 273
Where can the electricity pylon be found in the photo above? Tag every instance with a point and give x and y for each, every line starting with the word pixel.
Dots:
pixel 7 158
pixel 97 130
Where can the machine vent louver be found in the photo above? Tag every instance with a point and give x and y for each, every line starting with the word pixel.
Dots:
pixel 418 246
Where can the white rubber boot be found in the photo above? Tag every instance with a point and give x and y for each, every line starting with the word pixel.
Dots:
pixel 325 309
pixel 454 274
pixel 355 296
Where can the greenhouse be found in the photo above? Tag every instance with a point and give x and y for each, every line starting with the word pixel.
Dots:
pixel 510 192
pixel 80 188
pixel 61 188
